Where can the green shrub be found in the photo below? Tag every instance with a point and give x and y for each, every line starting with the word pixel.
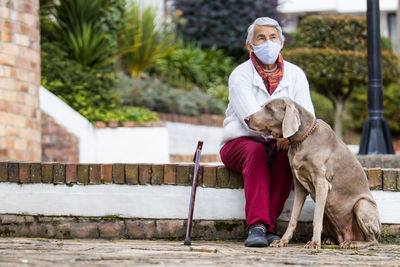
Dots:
pixel 125 113
pixel 157 96
pixel 143 40
pixel 222 23
pixel 323 107
pixel 333 31
pixel 85 89
pixel 334 58
pixel 85 29
pixel 391 103
pixel 191 66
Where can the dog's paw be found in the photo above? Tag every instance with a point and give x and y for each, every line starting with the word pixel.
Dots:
pixel 279 243
pixel 347 244
pixel 329 241
pixel 313 244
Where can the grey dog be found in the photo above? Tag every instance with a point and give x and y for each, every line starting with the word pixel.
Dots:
pixel 325 168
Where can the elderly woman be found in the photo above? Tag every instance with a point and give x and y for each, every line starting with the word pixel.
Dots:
pixel 262 160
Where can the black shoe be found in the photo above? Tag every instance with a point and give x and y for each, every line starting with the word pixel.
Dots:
pixel 256 238
pixel 271 237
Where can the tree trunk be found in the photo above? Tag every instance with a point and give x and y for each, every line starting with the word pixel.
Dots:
pixel 338 109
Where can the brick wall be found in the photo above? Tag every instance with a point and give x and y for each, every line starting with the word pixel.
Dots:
pixel 19 80
pixel 216 176
pixel 58 145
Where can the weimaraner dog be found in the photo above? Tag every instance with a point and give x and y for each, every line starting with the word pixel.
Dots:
pixel 324 167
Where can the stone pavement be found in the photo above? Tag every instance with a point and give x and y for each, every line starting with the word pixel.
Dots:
pixel 74 252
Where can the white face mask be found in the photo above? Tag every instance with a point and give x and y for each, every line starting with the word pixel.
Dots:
pixel 267 52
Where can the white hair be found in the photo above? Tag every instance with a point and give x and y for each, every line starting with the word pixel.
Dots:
pixel 263 21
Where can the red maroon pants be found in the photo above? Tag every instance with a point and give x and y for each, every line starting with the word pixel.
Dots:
pixel 266 189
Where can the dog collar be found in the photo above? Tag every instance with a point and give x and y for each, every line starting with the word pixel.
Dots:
pixel 309 131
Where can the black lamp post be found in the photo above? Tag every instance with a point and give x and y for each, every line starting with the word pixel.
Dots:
pixel 375 138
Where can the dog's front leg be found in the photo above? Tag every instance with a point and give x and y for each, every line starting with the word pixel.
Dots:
pixel 300 194
pixel 321 193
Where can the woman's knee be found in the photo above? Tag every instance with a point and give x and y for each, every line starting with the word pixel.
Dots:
pixel 255 151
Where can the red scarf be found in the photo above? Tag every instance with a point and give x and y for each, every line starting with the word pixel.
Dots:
pixel 271 80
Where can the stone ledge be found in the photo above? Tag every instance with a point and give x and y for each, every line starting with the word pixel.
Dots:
pixel 137 228
pixel 204 120
pixel 216 176
pixel 379 161
pixel 128 124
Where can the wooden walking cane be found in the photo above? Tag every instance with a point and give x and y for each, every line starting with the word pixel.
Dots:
pixel 196 160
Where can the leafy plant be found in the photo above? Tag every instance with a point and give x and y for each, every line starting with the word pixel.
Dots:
pixel 80 26
pixel 143 40
pixel 125 113
pixel 221 23
pixel 391 102
pixel 190 66
pixel 333 67
pixel 157 96
pixel 85 89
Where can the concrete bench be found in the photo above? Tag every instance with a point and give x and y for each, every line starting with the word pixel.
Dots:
pixel 64 200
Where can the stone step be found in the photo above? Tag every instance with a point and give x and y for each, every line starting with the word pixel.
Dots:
pixel 66 227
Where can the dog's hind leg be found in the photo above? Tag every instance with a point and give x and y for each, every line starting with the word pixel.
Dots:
pixel 367 217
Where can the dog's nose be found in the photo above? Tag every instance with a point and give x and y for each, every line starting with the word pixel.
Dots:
pixel 247 119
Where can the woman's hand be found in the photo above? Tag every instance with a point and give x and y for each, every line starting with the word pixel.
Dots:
pixel 282 143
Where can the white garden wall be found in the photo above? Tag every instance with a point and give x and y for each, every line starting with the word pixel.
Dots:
pixel 129 144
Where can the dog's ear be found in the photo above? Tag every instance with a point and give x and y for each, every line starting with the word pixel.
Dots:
pixel 291 121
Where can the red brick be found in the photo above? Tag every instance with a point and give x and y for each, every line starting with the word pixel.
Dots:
pixel 183 175
pixel 209 176
pixel 222 177
pixel 82 174
pixel 132 173
pixel 59 173
pixel 169 174
pixel 113 124
pixel 235 179
pixel 106 173
pixel 6 37
pixel 375 178
pixel 112 230
pixel 84 230
pixel 3 171
pixel 144 174
pixel 7 60
pixel 47 172
pixel 141 229
pixel 100 124
pixel 94 174
pixel 24 173
pixel 128 124
pixel 13 172
pixel 70 173
pixel 35 173
pixel 118 173
pixel 170 228
pixel 157 174
pixel 390 177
